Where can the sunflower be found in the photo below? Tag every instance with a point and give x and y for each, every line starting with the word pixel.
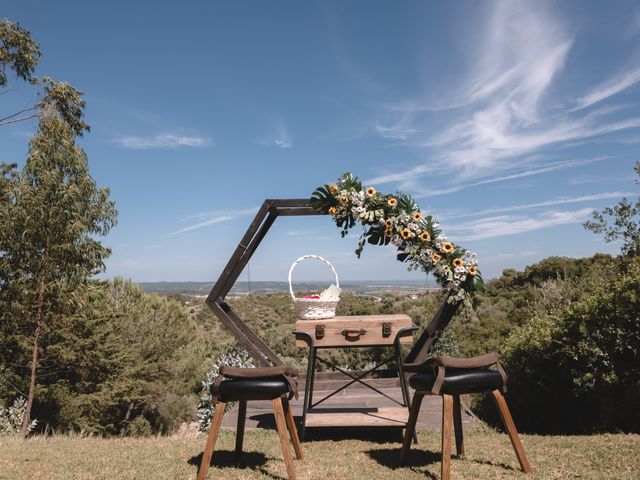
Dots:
pixel 458 262
pixel 473 271
pixel 370 191
pixel 425 237
pixel 417 216
pixel 406 234
pixel 435 258
pixel 388 223
pixel 332 210
pixel 333 188
pixel 344 199
pixel 446 247
pixel 388 233
pixel 392 201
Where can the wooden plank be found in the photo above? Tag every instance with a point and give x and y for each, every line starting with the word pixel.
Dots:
pixel 411 426
pixel 211 440
pixel 457 425
pixel 358 417
pixel 510 427
pixel 447 424
pixel 219 290
pixel 297 212
pixel 278 412
pixel 289 202
pixel 372 324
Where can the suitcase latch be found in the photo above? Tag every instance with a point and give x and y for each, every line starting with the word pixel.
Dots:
pixel 319 332
pixel 386 329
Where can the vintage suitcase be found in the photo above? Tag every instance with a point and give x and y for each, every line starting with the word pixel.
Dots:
pixel 355 331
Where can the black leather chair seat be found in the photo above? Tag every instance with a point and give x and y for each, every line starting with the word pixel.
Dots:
pixel 459 380
pixel 236 389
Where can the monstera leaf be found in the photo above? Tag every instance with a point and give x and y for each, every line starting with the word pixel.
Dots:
pixel 321 199
pixel 349 181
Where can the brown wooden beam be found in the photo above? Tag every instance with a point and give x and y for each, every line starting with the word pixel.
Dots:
pixel 273 359
pixel 239 251
pixel 241 262
pixel 240 335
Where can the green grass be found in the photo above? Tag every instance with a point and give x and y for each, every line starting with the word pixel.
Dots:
pixel 489 456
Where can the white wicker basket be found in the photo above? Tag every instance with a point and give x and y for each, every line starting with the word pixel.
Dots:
pixel 314 308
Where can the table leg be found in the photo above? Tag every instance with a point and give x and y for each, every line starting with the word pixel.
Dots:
pixel 308 388
pixel 403 383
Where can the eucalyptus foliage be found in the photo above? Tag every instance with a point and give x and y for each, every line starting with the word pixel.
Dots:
pixel 20 53
pixel 52 214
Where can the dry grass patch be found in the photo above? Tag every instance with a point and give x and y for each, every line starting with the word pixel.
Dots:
pixel 489 456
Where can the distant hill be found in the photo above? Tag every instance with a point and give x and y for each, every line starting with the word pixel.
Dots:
pixel 367 287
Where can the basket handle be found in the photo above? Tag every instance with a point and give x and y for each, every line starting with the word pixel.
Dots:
pixel 304 257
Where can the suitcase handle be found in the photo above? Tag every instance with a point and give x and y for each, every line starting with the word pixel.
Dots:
pixel 353 335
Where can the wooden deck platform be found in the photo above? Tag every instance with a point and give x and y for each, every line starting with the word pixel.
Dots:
pixel 365 407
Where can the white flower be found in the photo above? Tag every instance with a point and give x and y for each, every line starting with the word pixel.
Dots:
pixel 396 240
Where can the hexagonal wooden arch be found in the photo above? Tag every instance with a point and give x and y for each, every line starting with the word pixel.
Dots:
pixel 261 353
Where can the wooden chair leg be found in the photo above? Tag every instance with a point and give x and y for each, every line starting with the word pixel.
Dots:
pixel 457 425
pixel 507 421
pixel 242 415
pixel 411 425
pixel 447 420
pixel 278 412
pixel 291 426
pixel 211 440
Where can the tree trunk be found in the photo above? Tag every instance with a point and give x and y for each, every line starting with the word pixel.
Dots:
pixel 26 420
pixel 126 418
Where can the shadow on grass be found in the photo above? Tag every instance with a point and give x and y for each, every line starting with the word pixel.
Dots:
pixel 496 464
pixel 227 459
pixel 390 458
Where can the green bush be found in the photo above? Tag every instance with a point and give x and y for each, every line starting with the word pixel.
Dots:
pixel 574 368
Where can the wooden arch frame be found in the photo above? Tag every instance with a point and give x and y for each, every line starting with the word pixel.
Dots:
pixel 267 214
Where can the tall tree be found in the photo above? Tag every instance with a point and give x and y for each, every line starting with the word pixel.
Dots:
pixel 20 53
pixel 620 222
pixel 51 213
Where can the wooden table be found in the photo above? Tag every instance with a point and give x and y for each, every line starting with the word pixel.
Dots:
pixel 383 331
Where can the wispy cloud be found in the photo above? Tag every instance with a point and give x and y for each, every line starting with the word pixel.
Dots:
pixel 501 226
pixel 563 165
pixel 503 110
pixel 206 223
pixel 611 87
pixel 161 141
pixel 211 218
pixel 280 136
pixel 546 203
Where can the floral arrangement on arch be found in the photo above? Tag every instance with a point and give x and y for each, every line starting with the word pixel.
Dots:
pixel 397 219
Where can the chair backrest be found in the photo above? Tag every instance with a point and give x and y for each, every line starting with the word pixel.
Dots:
pixel 427 340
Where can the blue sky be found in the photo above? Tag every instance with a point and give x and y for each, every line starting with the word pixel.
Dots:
pixel 509 121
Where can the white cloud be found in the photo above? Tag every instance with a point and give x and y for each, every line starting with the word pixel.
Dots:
pixel 512 176
pixel 161 141
pixel 547 203
pixel 206 223
pixel 501 226
pixel 280 137
pixel 211 218
pixel 504 109
pixel 609 88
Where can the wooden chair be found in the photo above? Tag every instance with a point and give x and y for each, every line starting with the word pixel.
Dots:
pixel 450 378
pixel 242 385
